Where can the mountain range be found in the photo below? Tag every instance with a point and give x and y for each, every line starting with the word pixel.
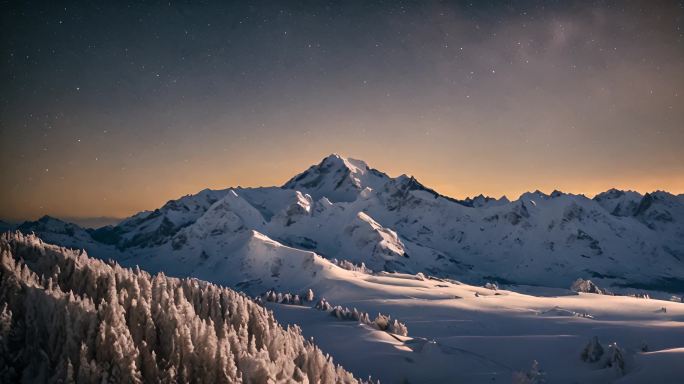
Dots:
pixel 342 210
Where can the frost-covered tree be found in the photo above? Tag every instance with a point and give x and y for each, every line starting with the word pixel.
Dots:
pixel 323 305
pixel 398 328
pixel 610 357
pixel 381 322
pixel 534 376
pixel 348 265
pixel 309 296
pixel 615 358
pixel 281 298
pixel 593 351
pixel 65 317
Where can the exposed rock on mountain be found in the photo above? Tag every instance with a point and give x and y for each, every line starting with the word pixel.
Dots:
pixel 343 209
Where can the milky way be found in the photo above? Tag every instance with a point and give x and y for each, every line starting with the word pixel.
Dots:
pixel 110 108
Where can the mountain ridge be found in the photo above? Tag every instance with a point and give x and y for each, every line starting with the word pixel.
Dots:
pixel 343 209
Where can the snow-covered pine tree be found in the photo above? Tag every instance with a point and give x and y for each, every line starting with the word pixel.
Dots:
pixel 65 317
pixel 534 376
pixel 309 296
pixel 615 359
pixel 593 351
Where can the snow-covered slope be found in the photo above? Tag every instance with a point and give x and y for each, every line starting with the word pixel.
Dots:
pixel 65 318
pixel 456 332
pixel 151 228
pixel 619 203
pixel 343 209
pixel 459 333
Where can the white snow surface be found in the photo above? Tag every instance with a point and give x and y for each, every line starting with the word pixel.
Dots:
pixel 457 336
pixel 283 238
pixel 343 209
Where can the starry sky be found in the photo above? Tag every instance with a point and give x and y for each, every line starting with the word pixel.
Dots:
pixel 109 108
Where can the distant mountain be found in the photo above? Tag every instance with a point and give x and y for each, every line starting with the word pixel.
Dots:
pixel 60 232
pixel 5 226
pixel 343 209
pixel 93 222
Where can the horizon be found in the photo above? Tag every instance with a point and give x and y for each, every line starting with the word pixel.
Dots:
pixel 99 221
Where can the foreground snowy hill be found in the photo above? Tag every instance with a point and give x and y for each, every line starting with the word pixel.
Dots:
pixel 459 333
pixel 455 332
pixel 65 317
pixel 343 209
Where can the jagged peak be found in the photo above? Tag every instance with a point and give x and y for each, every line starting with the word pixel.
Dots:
pixel 482 200
pixel 614 193
pixel 537 194
pixel 50 224
pixel 338 178
pixel 46 218
pixel 354 165
pixel 661 194
pixel 409 183
pixel 404 178
pixel 650 197
pixel 480 197
pixel 609 194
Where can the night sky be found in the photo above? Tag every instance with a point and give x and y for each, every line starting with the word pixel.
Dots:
pixel 107 109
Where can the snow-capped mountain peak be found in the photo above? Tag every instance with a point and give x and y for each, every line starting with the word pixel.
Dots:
pixel 338 178
pixel 343 209
pixel 618 202
pixel 484 201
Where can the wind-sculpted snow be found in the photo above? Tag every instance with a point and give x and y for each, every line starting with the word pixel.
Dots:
pixel 343 209
pixel 65 317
